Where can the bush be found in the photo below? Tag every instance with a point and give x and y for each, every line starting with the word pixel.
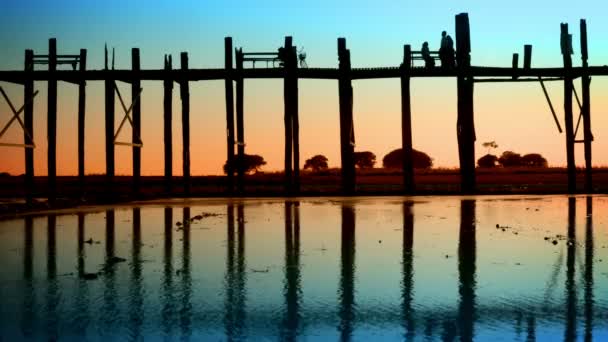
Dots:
pixel 394 160
pixel 489 160
pixel 365 160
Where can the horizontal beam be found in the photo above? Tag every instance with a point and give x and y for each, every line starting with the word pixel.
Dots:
pixel 278 73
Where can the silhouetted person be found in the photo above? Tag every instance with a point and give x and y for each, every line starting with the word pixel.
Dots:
pixel 443 49
pixel 429 62
pixel 449 53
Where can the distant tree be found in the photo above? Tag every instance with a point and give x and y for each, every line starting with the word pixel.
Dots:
pixel 510 159
pixel 533 160
pixel 490 145
pixel 489 160
pixel 395 160
pixel 5 174
pixel 251 162
pixel 365 160
pixel 316 163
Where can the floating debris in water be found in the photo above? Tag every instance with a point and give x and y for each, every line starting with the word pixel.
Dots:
pixel 554 242
pixel 115 260
pixel 266 270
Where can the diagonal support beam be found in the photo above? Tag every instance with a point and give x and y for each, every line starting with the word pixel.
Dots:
pixel 542 84
pixel 126 118
pixel 15 116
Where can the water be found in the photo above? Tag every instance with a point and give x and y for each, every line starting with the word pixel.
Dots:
pixel 361 269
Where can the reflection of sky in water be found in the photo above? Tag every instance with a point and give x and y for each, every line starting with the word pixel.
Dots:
pixel 436 268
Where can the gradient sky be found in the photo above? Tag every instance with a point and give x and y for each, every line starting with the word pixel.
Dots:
pixel 516 116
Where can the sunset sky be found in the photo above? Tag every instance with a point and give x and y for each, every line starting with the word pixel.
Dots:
pixel 516 116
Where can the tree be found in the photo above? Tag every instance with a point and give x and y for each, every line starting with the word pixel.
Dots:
pixel 489 160
pixel 533 160
pixel 251 162
pixel 365 160
pixel 490 145
pixel 510 159
pixel 316 163
pixel 394 160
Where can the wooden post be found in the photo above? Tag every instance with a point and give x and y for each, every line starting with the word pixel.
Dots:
pixel 295 117
pixel 406 122
pixel 240 129
pixel 527 56
pixel 515 65
pixel 82 95
pixel 586 110
pixel 52 122
pixel 136 129
pixel 465 122
pixel 288 119
pixel 167 124
pixel 28 121
pixel 347 133
pixel 568 120
pixel 109 125
pixel 229 115
pixel 185 95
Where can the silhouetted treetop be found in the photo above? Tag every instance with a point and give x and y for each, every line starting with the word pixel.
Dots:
pixel 316 163
pixel 489 160
pixel 251 162
pixel 365 160
pixel 534 160
pixel 394 160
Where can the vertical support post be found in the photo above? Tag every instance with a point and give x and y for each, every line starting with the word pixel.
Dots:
pixel 568 120
pixel 184 89
pixel 136 131
pixel 240 129
pixel 109 125
pixel 406 122
pixel 465 122
pixel 52 121
pixel 28 121
pixel 347 133
pixel 295 117
pixel 82 96
pixel 527 56
pixel 167 123
pixel 292 140
pixel 229 114
pixel 515 65
pixel 586 109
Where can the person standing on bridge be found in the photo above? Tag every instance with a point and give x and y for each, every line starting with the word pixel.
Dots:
pixel 429 62
pixel 449 53
pixel 443 49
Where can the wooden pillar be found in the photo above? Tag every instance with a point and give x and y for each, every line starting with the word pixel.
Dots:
pixel 406 122
pixel 184 89
pixel 109 125
pixel 292 127
pixel 465 122
pixel 52 122
pixel 167 124
pixel 28 121
pixel 229 115
pixel 136 129
pixel 566 41
pixel 515 65
pixel 240 129
pixel 527 56
pixel 347 133
pixel 586 110
pixel 82 95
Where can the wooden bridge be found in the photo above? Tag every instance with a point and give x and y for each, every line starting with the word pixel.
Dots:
pixel 465 73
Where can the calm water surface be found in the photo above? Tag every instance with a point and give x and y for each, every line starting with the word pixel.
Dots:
pixel 360 269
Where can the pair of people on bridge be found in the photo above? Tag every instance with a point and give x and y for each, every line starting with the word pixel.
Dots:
pixel 446 53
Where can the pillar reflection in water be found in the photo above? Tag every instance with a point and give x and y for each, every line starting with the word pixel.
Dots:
pixel 407 282
pixel 136 302
pixel 589 253
pixel 52 298
pixel 109 307
pixel 186 300
pixel 570 331
pixel 82 292
pixel 235 279
pixel 467 271
pixel 168 299
pixel 29 295
pixel 291 286
pixel 347 274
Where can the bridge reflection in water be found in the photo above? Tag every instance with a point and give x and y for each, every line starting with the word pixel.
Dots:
pixel 135 298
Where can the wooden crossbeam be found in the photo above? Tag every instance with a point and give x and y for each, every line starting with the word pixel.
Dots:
pixel 127 117
pixel 15 116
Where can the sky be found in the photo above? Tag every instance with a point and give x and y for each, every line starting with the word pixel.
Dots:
pixel 516 115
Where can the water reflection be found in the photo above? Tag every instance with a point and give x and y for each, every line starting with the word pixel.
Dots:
pixel 347 273
pixel 291 284
pixel 466 271
pixel 408 273
pixel 56 299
